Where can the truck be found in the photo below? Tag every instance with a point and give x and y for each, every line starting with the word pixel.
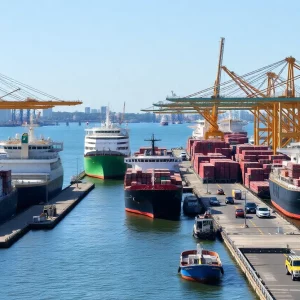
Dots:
pixel 237 194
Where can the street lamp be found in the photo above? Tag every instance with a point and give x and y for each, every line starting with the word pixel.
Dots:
pixel 245 223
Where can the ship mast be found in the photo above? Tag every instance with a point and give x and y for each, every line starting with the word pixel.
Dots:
pixel 107 121
pixel 153 140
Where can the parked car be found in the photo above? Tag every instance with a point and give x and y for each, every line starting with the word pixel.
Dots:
pixel 213 201
pixel 263 212
pixel 239 213
pixel 229 200
pixel 292 266
pixel 183 156
pixel 220 192
pixel 250 207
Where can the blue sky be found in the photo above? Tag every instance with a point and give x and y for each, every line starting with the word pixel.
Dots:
pixel 138 51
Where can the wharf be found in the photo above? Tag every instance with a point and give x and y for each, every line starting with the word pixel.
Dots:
pixel 261 247
pixel 65 201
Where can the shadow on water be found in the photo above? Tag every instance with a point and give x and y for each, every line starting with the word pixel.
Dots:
pixel 101 182
pixel 140 223
pixel 203 288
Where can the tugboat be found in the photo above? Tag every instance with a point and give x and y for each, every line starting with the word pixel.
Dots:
pixel 192 205
pixel 204 227
pixel 200 265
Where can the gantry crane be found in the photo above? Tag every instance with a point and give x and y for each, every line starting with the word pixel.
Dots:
pixel 26 97
pixel 276 117
pixel 30 103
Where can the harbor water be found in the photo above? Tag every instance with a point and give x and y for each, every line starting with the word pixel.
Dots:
pixel 101 252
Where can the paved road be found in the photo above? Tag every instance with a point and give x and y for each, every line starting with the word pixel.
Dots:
pixel 271 268
pixel 273 232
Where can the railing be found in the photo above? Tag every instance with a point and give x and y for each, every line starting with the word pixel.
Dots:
pixel 251 272
pixel 54 155
pixel 27 179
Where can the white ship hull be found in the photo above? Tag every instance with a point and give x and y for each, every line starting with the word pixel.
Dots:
pixel 228 125
pixel 37 181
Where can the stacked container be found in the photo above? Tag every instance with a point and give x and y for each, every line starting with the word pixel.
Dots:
pixel 161 176
pixel 293 170
pixel 261 188
pixel 207 146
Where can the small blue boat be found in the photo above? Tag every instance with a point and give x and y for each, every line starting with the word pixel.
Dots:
pixel 201 265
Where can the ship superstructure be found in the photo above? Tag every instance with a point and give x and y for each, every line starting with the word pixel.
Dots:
pixel 104 150
pixel 36 168
pixel 228 125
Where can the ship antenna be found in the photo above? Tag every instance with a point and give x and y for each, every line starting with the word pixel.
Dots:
pixel 107 118
pixel 153 140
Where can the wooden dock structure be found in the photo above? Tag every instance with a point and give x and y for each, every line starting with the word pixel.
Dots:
pixel 15 228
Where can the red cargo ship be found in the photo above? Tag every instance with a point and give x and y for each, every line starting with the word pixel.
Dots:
pixel 153 186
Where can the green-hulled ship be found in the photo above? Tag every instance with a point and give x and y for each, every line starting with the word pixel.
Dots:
pixel 105 150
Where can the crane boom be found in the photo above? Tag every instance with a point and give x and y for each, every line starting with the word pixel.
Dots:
pixel 218 79
pixel 29 103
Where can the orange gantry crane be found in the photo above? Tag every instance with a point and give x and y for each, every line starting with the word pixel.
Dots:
pixel 276 113
pixel 27 97
pixel 30 103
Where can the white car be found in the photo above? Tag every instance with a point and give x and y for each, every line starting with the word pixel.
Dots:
pixel 263 212
pixel 183 155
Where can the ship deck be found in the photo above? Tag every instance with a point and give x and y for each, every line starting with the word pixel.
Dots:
pixel 15 228
pixel 261 247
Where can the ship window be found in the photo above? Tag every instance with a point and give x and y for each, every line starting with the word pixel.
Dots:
pixel 15 148
pixel 19 148
pixel 33 147
pixel 45 147
pixel 5 147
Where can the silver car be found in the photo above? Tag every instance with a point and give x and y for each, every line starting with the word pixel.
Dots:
pixel 263 212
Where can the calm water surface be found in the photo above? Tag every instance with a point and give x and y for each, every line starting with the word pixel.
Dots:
pixel 101 252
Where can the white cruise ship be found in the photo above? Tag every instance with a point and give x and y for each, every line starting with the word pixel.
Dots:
pixel 226 125
pixel 36 168
pixel 105 148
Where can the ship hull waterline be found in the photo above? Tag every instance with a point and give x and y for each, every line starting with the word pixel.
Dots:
pixel 161 204
pixel 34 194
pixel 203 274
pixel 285 200
pixel 105 166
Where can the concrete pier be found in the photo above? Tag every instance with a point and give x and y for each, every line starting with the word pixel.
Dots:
pixel 260 247
pixel 15 228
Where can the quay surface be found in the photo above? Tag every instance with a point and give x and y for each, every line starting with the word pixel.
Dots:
pixel 261 247
pixel 65 201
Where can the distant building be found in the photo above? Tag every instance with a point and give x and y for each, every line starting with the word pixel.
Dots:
pixel 87 110
pixel 103 110
pixel 5 115
pixel 47 113
pixel 93 110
